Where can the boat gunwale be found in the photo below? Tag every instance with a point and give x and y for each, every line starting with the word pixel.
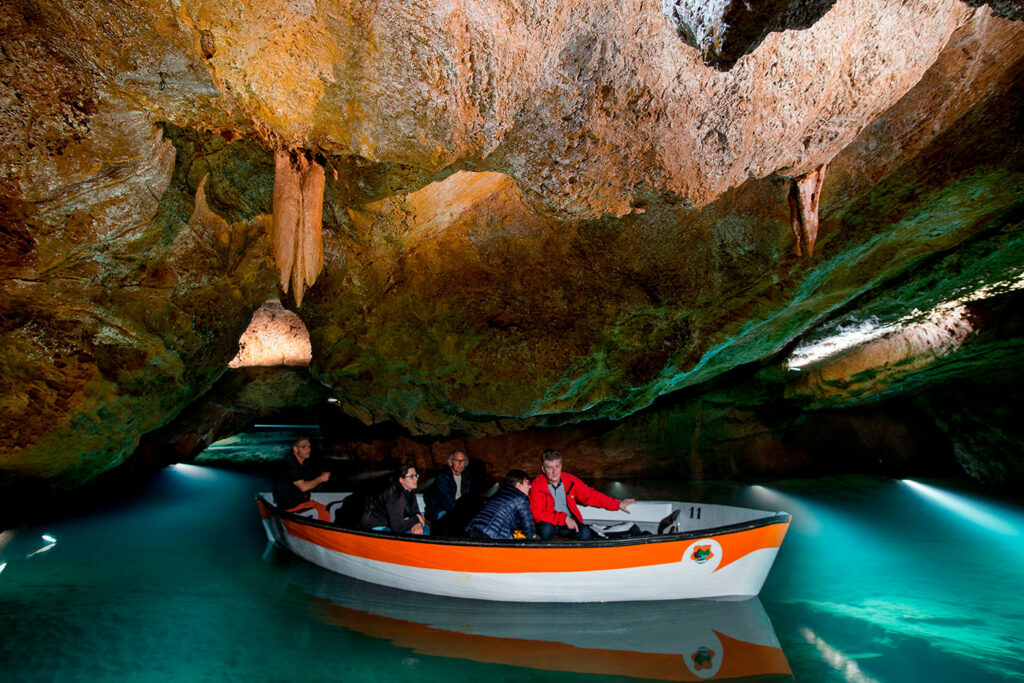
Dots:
pixel 770 519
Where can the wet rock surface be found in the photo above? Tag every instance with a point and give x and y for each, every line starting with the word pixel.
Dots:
pixel 541 225
pixel 108 333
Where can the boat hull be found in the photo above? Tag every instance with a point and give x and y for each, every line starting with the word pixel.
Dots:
pixel 719 563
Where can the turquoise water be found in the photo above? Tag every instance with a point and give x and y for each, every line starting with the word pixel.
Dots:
pixel 890 581
pixel 877 581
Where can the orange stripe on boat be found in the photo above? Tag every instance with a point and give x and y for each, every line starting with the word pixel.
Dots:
pixel 741 544
pixel 264 512
pixel 534 558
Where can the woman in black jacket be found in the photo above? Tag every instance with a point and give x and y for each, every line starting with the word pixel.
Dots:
pixel 395 508
pixel 506 511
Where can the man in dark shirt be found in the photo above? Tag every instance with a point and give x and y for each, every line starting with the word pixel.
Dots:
pixel 298 476
pixel 452 482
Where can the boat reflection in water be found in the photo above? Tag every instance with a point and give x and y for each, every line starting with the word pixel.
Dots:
pixel 681 640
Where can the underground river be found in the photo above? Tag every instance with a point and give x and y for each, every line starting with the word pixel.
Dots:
pixel 878 580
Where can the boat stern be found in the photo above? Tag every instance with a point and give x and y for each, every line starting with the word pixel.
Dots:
pixel 267 517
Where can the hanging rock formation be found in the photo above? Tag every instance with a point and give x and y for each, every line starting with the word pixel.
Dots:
pixel 804 197
pixel 298 217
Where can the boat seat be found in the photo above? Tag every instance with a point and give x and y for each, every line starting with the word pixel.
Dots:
pixel 670 523
pixel 349 510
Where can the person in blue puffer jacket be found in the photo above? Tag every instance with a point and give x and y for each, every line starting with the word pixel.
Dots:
pixel 506 511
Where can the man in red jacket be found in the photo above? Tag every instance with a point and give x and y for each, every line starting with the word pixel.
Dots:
pixel 553 501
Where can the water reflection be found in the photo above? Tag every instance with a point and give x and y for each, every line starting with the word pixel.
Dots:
pixel 687 640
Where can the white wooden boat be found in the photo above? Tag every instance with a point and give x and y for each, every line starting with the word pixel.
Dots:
pixel 688 640
pixel 696 550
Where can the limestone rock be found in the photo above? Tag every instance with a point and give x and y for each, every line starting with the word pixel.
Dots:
pixel 804 198
pixel 275 336
pixel 725 30
pixel 1011 9
pixel 534 214
pixel 114 323
pixel 583 105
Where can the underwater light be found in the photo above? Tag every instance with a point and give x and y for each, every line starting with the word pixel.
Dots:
pixel 193 471
pixel 803 519
pixel 49 539
pixel 836 659
pixel 962 506
pixel 41 550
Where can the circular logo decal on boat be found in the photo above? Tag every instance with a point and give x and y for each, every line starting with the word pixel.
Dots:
pixel 705 656
pixel 705 553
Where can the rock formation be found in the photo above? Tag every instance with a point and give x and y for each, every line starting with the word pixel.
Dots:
pixel 804 197
pixel 725 30
pixel 275 336
pixel 530 215
pixel 297 221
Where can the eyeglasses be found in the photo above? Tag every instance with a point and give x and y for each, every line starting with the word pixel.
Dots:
pixel 411 476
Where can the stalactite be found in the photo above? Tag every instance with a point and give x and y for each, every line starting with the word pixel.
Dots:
pixel 298 218
pixel 202 214
pixel 804 194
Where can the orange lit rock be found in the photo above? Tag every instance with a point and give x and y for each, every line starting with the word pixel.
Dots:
pixel 880 364
pixel 276 336
pixel 584 105
pixel 532 213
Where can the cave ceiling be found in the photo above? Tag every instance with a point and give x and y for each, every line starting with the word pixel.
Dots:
pixel 495 215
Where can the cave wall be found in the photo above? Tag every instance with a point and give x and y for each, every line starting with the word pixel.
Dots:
pixel 107 335
pixel 535 217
